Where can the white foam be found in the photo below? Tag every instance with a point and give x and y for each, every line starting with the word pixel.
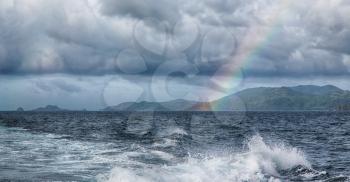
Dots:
pixel 173 131
pixel 277 156
pixel 162 155
pixel 260 163
pixel 165 142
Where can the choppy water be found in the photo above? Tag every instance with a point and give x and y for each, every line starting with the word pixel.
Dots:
pixel 175 146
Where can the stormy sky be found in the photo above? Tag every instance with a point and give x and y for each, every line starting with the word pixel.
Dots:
pixel 96 53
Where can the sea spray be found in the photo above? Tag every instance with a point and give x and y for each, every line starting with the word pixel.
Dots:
pixel 261 162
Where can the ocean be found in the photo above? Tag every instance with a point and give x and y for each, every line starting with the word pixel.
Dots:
pixel 175 146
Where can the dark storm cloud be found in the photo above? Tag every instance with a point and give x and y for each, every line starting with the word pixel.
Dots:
pixel 88 37
pixel 142 9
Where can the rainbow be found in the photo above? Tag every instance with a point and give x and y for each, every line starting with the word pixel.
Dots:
pixel 230 76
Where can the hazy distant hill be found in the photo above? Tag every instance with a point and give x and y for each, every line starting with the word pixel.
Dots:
pixel 20 109
pixel 303 97
pixel 121 107
pixel 175 105
pixel 316 90
pixel 49 108
pixel 201 106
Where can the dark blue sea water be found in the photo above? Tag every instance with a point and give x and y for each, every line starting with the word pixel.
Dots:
pixel 175 146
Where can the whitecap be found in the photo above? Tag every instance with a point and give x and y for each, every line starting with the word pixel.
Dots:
pixel 173 131
pixel 165 142
pixel 261 162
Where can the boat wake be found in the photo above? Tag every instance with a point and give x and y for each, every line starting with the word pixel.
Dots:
pixel 261 162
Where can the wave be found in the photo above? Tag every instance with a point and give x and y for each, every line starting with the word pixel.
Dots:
pixel 261 162
pixel 169 137
pixel 165 142
pixel 172 131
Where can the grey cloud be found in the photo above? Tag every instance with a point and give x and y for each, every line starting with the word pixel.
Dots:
pixel 61 84
pixel 56 85
pixel 76 37
pixel 43 86
pixel 141 9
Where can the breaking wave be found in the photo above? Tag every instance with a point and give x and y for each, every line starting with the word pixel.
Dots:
pixel 260 162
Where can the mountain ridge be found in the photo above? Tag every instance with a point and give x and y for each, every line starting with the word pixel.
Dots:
pixel 301 97
pixel 49 108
